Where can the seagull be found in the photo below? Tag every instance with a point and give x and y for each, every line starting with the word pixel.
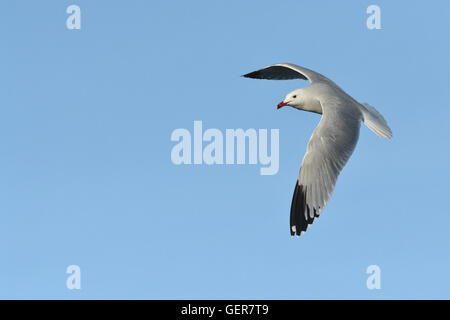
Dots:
pixel 331 143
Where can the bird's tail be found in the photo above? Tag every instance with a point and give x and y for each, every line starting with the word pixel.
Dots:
pixel 375 121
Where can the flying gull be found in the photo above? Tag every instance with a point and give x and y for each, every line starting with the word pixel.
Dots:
pixel 331 143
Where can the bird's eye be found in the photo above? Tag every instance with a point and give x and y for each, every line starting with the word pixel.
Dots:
pixel 294 97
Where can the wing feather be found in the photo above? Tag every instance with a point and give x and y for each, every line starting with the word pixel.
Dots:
pixel 286 71
pixel 328 150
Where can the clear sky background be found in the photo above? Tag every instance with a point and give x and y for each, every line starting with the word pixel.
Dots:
pixel 86 176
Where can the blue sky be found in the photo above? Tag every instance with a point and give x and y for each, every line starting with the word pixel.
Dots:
pixel 87 179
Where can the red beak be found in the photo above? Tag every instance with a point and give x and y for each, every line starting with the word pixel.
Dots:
pixel 281 105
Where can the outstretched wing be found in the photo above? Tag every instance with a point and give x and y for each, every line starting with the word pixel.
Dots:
pixel 329 148
pixel 286 71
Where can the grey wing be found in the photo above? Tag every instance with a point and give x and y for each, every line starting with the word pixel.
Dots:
pixel 286 71
pixel 329 148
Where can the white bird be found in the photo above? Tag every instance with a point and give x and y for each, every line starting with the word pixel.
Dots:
pixel 331 143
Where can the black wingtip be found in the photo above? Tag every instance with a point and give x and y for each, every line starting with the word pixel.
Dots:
pixel 300 212
pixel 252 75
pixel 275 72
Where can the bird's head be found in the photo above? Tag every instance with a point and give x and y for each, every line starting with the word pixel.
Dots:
pixel 293 99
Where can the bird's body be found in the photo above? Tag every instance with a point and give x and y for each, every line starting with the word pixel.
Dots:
pixel 331 143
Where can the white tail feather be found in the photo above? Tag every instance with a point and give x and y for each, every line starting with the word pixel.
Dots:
pixel 375 121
